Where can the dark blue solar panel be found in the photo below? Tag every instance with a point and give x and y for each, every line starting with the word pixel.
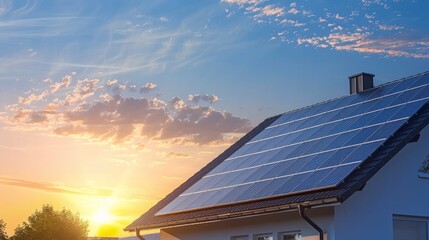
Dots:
pixel 310 148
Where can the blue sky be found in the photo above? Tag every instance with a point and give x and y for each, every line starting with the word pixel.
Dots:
pixel 137 85
pixel 266 49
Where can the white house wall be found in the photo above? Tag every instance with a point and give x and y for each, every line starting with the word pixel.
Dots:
pixel 395 189
pixel 274 223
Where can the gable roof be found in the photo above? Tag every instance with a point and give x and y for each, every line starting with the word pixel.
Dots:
pixel 355 179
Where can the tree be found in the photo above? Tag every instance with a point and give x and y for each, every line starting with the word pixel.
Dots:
pixel 49 224
pixel 3 235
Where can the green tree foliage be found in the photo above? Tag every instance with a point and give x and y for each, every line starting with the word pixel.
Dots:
pixel 49 224
pixel 3 235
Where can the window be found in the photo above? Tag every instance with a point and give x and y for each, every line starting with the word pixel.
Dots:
pixel 405 228
pixel 296 235
pixel 242 237
pixel 266 236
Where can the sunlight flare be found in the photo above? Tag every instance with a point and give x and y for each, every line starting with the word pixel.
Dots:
pixel 102 216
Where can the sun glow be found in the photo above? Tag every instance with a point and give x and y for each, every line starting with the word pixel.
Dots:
pixel 102 217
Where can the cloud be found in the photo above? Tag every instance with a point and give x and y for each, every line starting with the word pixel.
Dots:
pixel 111 82
pixel 173 155
pixel 88 110
pixel 389 27
pixel 243 2
pixel 117 119
pixel 132 87
pixel 210 98
pixel 148 87
pixel 140 146
pixel 378 29
pixel 127 43
pixel 28 116
pixel 58 85
pixel 54 188
pixel 292 22
pixel 118 88
pixel 85 88
pixel 61 189
pixel 339 17
pixel 363 43
pixel 12 148
pixel 271 10
pixel 31 52
pixel 257 8
pixel 32 98
pixel 293 11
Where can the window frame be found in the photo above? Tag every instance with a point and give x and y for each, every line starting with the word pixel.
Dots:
pixel 282 234
pixel 411 218
pixel 240 237
pixel 256 236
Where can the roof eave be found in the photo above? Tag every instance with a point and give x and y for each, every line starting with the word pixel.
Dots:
pixel 256 212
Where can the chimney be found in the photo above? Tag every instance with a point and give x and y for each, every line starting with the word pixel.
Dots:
pixel 361 82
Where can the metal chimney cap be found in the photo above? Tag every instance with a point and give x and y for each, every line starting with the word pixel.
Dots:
pixel 362 74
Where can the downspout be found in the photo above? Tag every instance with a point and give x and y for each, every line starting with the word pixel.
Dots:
pixel 301 211
pixel 138 234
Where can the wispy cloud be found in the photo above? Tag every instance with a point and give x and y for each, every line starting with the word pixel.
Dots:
pixel 358 28
pixel 54 188
pixel 61 189
pixel 12 148
pixel 258 8
pixel 363 43
pixel 127 43
pixel 39 27
pixel 173 155
pixel 389 27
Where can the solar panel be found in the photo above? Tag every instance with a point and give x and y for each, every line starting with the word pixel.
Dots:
pixel 308 149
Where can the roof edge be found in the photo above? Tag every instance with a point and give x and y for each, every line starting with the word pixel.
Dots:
pixel 357 179
pixel 243 214
pixel 198 175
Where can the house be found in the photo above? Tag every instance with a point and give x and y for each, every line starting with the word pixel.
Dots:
pixel 154 236
pixel 350 168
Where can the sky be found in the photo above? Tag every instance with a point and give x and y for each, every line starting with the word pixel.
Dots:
pixel 107 106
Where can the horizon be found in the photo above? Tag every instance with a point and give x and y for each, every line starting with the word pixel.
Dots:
pixel 107 107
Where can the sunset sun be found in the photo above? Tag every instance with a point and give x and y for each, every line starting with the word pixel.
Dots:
pixel 128 118
pixel 102 217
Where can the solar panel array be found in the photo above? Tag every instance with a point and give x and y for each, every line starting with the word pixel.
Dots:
pixel 308 149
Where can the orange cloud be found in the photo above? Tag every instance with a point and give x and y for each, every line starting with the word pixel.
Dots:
pixel 169 155
pixel 363 43
pixel 58 85
pixel 56 188
pixel 84 108
pixel 32 98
